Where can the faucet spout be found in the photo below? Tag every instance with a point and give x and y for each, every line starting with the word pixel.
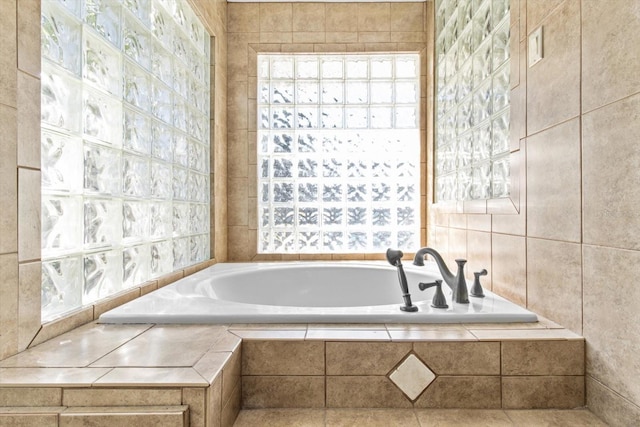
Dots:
pixel 457 282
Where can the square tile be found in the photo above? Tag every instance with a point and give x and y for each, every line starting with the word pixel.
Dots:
pixel 412 376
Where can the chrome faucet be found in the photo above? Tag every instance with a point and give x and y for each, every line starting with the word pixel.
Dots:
pixel 457 283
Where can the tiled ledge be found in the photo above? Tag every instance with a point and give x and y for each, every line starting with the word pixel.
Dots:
pixel 299 365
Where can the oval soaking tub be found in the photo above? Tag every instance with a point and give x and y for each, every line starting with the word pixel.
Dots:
pixel 308 292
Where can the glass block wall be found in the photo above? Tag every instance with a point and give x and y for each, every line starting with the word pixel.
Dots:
pixel 338 153
pixel 472 99
pixel 125 146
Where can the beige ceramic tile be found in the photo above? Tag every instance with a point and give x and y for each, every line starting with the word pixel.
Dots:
pixel 275 17
pixel 373 17
pixel 540 392
pixel 231 375
pixel 274 417
pixel 460 358
pixel 524 325
pixel 308 17
pixel 236 327
pixel 30 419
pixel 347 335
pixel 173 345
pixel 611 198
pixel 214 403
pixel 9 305
pixel 8 175
pixel 610 321
pixel 77 348
pixel 28 121
pixel 149 377
pixel 283 392
pixel 121 397
pixel 543 357
pixel 341 37
pixel 457 247
pixel 564 418
pixel 610 406
pixel 29 37
pixel 24 396
pixel 231 407
pixel 364 358
pixel 8 61
pixel 371 418
pixel 509 265
pixel 238 210
pixel 150 416
pixel 407 17
pixel 432 335
pixel 608 71
pixel 537 10
pixel 364 392
pixel 554 281
pixel 524 334
pixel 50 377
pixel 478 257
pixel 211 364
pixel 243 18
pixel 237 160
pixel 64 324
pixel 425 327
pixel 283 358
pixel 340 17
pixel 167 279
pixel 195 399
pixel 554 183
pixel 553 84
pixel 257 334
pixel 462 392
pixel 28 214
pixel 463 418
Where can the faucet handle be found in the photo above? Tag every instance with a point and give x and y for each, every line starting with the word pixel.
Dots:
pixel 438 301
pixel 476 289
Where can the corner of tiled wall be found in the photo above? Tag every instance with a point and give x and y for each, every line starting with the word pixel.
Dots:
pixel 20 280
pixel 569 254
pixel 304 27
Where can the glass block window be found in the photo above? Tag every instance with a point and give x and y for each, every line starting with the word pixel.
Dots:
pixel 338 153
pixel 125 146
pixel 472 101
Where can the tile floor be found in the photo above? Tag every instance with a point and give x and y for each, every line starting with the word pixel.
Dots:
pixel 414 418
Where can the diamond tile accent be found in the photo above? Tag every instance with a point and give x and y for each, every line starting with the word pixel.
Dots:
pixel 412 376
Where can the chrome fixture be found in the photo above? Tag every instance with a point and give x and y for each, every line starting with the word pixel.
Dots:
pixel 438 301
pixel 476 289
pixel 457 283
pixel 394 257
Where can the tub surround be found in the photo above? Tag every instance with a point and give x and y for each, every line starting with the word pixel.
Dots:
pixel 202 373
pixel 302 292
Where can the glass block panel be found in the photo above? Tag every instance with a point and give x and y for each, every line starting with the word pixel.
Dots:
pixel 102 117
pixel 135 221
pixel 61 286
pixel 136 264
pixel 60 219
pixel 61 37
pixel 354 142
pixel 102 274
pixel 61 161
pixel 102 169
pixel 102 64
pixel 125 145
pixel 61 99
pixel 472 102
pixel 161 258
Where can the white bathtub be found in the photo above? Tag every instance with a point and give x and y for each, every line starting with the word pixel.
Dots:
pixel 308 292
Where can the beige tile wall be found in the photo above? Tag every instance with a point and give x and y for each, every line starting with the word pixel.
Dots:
pixel 572 252
pixel 20 174
pixel 303 27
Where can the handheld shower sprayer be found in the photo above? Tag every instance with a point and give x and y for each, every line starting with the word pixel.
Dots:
pixel 394 257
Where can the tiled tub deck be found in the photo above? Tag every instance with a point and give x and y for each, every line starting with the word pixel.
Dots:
pixel 201 375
